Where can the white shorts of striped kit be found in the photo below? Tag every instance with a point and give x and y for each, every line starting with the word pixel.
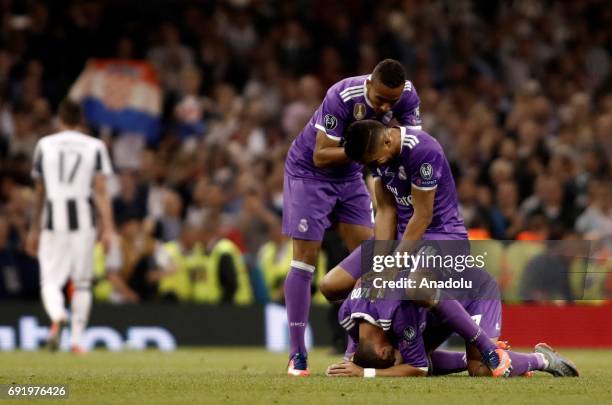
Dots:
pixel 65 255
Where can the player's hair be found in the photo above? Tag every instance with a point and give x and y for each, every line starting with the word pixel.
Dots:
pixel 361 138
pixel 390 72
pixel 70 113
pixel 365 356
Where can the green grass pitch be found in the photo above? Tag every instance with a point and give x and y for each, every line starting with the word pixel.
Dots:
pixel 253 376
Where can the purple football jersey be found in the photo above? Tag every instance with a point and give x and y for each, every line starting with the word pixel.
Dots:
pixel 423 165
pixel 403 321
pixel 344 103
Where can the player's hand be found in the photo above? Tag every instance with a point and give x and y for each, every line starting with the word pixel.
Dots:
pixel 344 369
pixel 107 239
pixel 31 244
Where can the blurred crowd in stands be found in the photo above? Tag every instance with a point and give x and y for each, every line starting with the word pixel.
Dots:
pixel 519 93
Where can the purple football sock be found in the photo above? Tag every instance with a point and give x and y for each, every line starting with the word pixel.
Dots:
pixel 297 302
pixel 444 362
pixel 524 362
pixel 453 314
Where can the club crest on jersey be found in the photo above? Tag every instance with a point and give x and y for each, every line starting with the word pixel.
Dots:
pixel 303 225
pixel 359 111
pixel 402 173
pixel 409 334
pixel 426 171
pixel 330 121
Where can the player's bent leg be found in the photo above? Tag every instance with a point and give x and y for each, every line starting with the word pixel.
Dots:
pixel 545 359
pixel 453 314
pixel 444 362
pixel 297 302
pixel 338 283
pixel 353 235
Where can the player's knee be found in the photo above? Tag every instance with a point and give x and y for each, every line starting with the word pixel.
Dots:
pixel 305 252
pixel 328 288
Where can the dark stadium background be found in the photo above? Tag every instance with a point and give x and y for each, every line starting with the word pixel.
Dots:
pixel 518 93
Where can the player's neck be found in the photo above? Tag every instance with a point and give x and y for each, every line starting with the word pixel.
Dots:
pixel 64 127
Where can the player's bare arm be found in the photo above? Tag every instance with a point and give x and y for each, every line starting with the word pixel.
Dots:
pixel 34 233
pixel 104 207
pixel 350 369
pixel 327 152
pixel 386 213
pixel 423 204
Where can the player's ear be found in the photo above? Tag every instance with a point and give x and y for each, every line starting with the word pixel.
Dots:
pixel 387 138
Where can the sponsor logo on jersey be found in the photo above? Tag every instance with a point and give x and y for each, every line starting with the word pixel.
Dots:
pixel 359 111
pixel 330 121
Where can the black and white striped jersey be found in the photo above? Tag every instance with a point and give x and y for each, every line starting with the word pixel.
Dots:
pixel 68 162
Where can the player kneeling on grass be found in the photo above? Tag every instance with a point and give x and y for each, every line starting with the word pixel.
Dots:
pixel 391 342
pixel 416 201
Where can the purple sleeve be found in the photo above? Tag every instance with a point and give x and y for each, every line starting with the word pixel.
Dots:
pixel 332 115
pixel 408 114
pixel 386 312
pixel 426 164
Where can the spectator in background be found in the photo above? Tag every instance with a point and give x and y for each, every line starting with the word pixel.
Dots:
pixel 170 222
pixel 136 263
pixel 24 137
pixel 191 107
pixel 473 213
pixel 131 202
pixel 274 260
pixel 17 212
pixel 298 112
pixel 199 208
pixel 225 279
pixel 170 57
pixel 190 261
pixel 9 271
pixel 547 276
pixel 19 273
pixel 596 221
pixel 506 221
pixel 551 202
